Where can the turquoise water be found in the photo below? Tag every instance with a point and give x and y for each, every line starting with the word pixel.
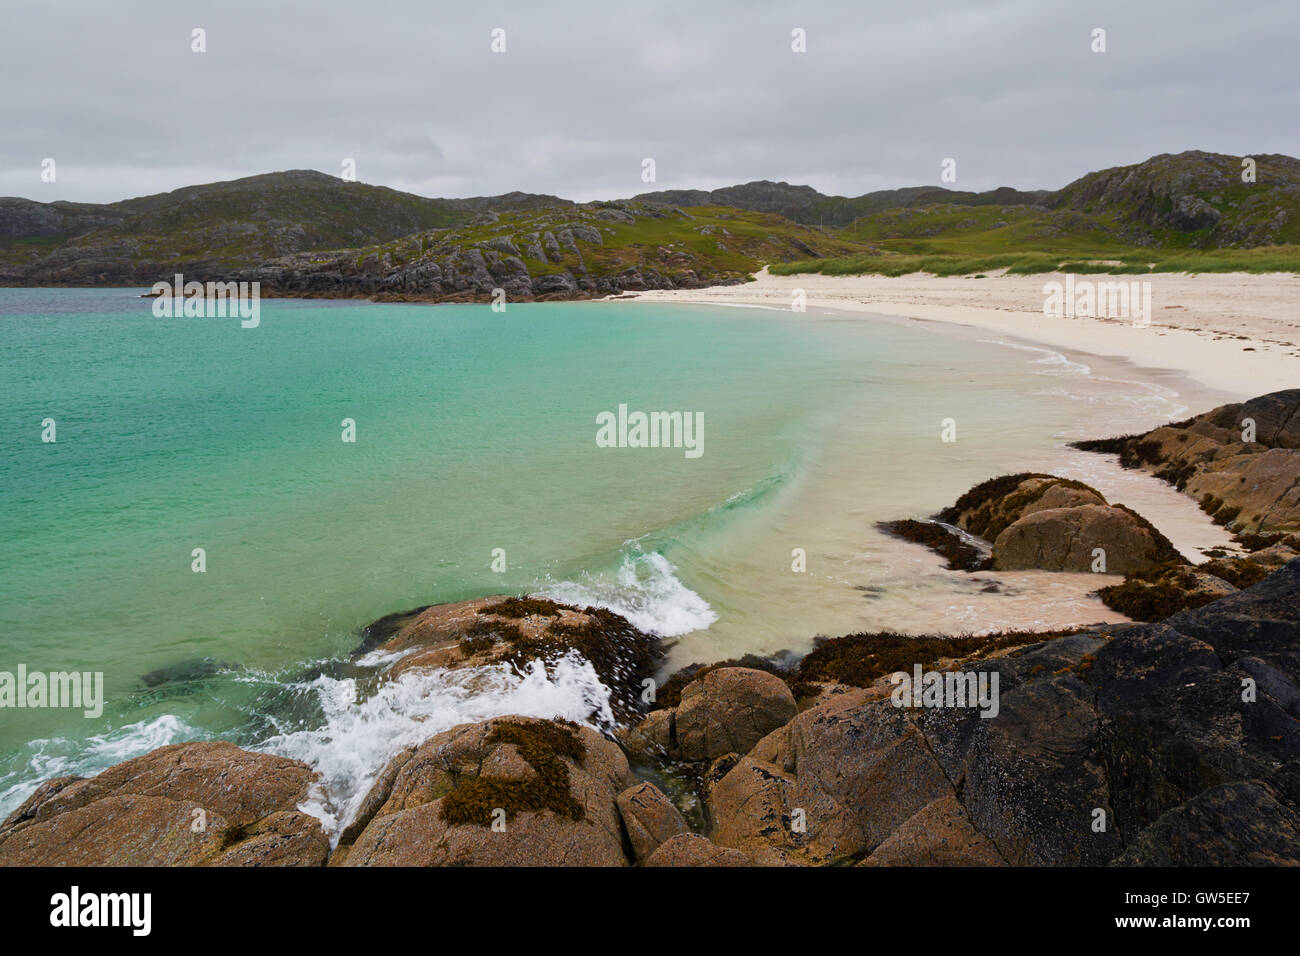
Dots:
pixel 475 431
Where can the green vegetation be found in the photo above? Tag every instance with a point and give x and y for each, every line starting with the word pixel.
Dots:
pixel 703 244
pixel 1111 261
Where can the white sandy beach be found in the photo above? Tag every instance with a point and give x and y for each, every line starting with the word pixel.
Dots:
pixel 1234 333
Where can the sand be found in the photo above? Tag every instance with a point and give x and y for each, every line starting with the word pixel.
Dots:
pixel 1233 333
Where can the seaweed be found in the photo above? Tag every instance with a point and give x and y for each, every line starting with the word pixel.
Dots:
pixel 542 744
pixel 523 607
pixel 961 554
pixel 862 659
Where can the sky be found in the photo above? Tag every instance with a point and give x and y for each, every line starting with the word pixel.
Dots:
pixel 584 92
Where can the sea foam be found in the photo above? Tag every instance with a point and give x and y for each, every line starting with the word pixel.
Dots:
pixel 359 738
pixel 645 590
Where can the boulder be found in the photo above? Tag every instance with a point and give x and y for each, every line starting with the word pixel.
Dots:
pixel 730 709
pixel 510 791
pixel 991 506
pixel 1065 539
pixel 649 818
pixel 654 738
pixel 193 804
pixel 691 849
pixel 939 834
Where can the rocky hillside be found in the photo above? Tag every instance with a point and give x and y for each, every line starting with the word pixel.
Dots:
pixel 1194 198
pixel 807 205
pixel 1190 200
pixel 573 251
pixel 200 229
pixel 277 223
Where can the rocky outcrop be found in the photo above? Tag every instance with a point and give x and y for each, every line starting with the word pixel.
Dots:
pixel 1155 744
pixel 195 804
pixel 691 849
pixel 1194 192
pixel 1143 744
pixel 727 709
pixel 1033 521
pixel 516 631
pixel 649 818
pixel 1241 462
pixel 510 791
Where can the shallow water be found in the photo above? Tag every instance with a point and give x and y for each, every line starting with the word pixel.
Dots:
pixel 476 431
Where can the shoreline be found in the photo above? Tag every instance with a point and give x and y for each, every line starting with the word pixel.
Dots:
pixel 1234 334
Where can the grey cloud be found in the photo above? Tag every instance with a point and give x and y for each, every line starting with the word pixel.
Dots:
pixel 587 88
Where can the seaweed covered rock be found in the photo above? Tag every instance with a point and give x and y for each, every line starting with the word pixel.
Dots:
pixel 1239 461
pixel 992 506
pixel 1154 594
pixel 194 804
pixel 1035 521
pixel 961 553
pixel 516 631
pixel 511 791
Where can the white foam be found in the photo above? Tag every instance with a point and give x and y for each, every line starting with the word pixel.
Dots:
pixel 359 738
pixel 646 591
pixel 61 757
pixel 1057 364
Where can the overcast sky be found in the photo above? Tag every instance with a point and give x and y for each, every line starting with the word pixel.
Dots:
pixel 585 90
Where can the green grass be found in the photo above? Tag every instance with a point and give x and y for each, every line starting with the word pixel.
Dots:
pixel 1265 259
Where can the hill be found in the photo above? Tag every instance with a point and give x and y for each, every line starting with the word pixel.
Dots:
pixel 300 229
pixel 216 226
pixel 573 251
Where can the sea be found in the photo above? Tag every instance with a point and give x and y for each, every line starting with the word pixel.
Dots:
pixel 222 508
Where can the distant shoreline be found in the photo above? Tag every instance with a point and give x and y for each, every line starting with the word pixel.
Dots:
pixel 1236 334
